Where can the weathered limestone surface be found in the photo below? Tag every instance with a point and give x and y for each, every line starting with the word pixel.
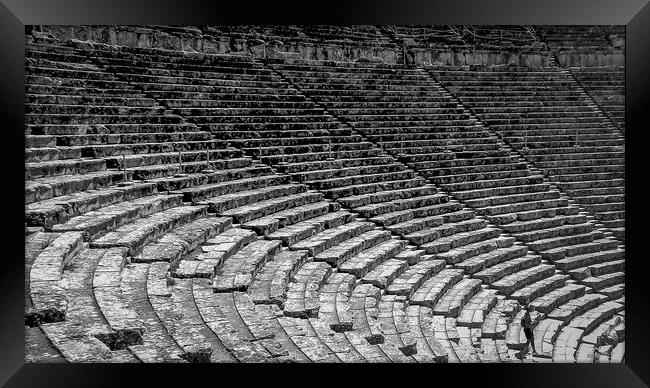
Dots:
pixel 324 193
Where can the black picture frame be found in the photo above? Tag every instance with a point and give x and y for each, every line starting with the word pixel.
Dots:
pixel 15 14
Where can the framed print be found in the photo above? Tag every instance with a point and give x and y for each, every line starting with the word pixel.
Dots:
pixel 441 188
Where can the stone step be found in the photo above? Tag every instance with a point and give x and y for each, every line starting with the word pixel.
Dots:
pixel 432 289
pixel 49 302
pixel 371 188
pixel 328 238
pixel 292 234
pixel 414 276
pixel 237 272
pixel 578 249
pixel 367 179
pixel 303 291
pixel 394 324
pixel 523 207
pixel 455 180
pixel 253 211
pixel 383 274
pixel 421 204
pixel 485 205
pixel 452 302
pixel 472 314
pixel 402 220
pixel 334 301
pixel 181 241
pixel 58 210
pixel 405 228
pixel 311 177
pixel 212 254
pixel 498 271
pixel 537 214
pixel 604 280
pixel 543 223
pixel 351 247
pixel 530 292
pixel 508 284
pixel 575 307
pixel 271 223
pixel 503 190
pixel 379 197
pixel 362 263
pixel 197 333
pixel 469 251
pixel 550 301
pixel 460 234
pixel 573 262
pixel 162 171
pixel 144 230
pixel 63 167
pixel 248 185
pixel 106 219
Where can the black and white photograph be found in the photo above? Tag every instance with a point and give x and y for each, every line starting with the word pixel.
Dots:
pixel 368 193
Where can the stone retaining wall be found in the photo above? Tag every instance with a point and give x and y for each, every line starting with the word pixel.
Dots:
pixel 191 39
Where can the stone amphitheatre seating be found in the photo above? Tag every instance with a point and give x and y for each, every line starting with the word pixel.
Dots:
pixel 318 212
pixel 545 116
pixel 386 105
pixel 606 85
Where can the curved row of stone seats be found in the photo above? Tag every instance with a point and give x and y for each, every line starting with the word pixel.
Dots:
pixel 133 290
pixel 83 202
pixel 118 237
pixel 578 37
pixel 299 281
pixel 362 164
pixel 561 338
pixel 333 313
pixel 56 159
pixel 215 327
pixel 66 201
pixel 85 334
pixel 606 85
pixel 102 144
pixel 485 327
pixel 234 100
pixel 368 254
pixel 226 308
pixel 140 239
pixel 498 184
pixel 187 151
pixel 591 350
pixel 38 347
pixel 547 117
